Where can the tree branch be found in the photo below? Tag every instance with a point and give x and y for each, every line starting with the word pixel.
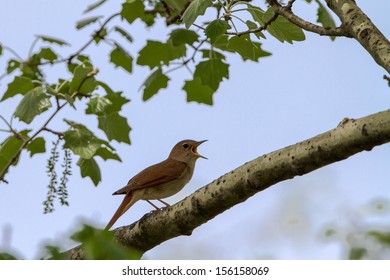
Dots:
pixel 348 138
pixel 306 25
pixel 360 27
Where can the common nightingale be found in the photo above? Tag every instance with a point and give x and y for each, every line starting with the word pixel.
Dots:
pixel 161 180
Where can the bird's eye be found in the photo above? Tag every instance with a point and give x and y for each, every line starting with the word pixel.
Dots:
pixel 185 146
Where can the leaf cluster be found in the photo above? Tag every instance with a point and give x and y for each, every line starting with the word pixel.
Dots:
pixel 204 34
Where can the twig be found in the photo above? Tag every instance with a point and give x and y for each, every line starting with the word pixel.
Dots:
pixel 289 4
pixel 256 30
pixel 59 134
pixel 86 45
pixel 185 62
pixel 17 135
pixel 387 78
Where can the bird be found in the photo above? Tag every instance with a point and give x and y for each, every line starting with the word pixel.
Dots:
pixel 160 180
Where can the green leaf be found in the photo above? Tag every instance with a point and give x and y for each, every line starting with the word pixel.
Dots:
pixel 211 72
pixel 252 25
pixel 83 82
pixel 198 92
pixel 116 99
pixel 100 35
pixel 221 43
pixel 36 146
pixel 121 59
pixel 9 150
pixel 84 59
pixel 183 36
pixel 124 33
pixel 7 256
pixel 81 140
pixel 246 48
pixel 177 5
pixel 48 54
pixel 33 103
pixel 132 9
pixel 115 127
pixel 20 85
pixel 281 28
pixel 195 9
pixel 1 49
pixel 382 237
pixel 357 253
pixel 210 53
pixel 54 253
pixel 106 154
pixel 100 244
pixel 89 168
pixel 324 17
pixel 215 29
pixel 156 81
pixel 94 6
pixel 12 65
pixel 155 53
pixel 98 105
pixel 84 22
pixel 53 40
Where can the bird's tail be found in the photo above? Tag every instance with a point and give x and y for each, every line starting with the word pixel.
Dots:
pixel 130 198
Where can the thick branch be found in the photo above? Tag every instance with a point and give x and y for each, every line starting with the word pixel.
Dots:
pixel 359 26
pixel 348 138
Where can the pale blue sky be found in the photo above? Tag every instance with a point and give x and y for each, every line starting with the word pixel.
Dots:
pixel 300 91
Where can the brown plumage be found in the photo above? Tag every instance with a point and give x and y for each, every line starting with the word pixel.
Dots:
pixel 161 180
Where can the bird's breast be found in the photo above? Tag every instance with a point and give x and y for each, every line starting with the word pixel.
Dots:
pixel 170 188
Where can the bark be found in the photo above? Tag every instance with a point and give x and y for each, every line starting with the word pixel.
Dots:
pixel 360 27
pixel 348 138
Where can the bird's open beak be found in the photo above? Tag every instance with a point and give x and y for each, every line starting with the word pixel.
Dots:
pixel 194 149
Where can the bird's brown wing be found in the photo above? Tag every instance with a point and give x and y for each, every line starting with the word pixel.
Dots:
pixel 163 172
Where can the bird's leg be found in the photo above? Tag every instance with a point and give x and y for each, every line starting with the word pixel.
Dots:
pixel 153 204
pixel 163 202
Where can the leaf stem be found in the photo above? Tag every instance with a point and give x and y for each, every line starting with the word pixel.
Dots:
pixel 13 52
pixel 32 46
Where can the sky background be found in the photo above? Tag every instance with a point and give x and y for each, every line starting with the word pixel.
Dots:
pixel 300 91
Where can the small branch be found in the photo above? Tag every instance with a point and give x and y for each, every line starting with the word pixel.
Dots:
pixel 3 180
pixel 308 26
pixel 289 4
pixel 259 29
pixel 59 134
pixel 86 45
pixel 17 135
